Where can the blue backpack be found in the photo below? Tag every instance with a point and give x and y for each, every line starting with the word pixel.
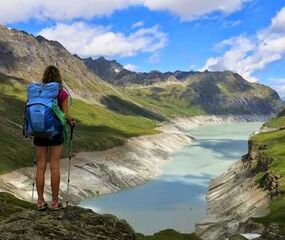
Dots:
pixel 40 118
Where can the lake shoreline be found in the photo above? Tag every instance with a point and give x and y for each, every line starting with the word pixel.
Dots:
pixel 130 165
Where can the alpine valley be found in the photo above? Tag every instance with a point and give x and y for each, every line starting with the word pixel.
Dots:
pixel 127 125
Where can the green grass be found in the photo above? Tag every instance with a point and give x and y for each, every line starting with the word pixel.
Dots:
pixel 277 210
pixel 15 150
pixel 201 94
pixel 99 129
pixel 10 205
pixel 168 234
pixel 275 150
pixel 166 102
pixel 277 122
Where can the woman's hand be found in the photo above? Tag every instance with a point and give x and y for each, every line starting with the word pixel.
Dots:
pixel 71 122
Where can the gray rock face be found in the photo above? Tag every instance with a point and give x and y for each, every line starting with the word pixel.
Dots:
pixel 107 70
pixel 270 182
pixel 233 198
pixel 115 73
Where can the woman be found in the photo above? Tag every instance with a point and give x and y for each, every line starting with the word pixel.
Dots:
pixel 52 146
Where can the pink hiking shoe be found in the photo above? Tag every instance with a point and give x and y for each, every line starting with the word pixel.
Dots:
pixel 42 204
pixel 55 205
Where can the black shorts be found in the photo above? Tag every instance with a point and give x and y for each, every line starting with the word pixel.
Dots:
pixel 49 141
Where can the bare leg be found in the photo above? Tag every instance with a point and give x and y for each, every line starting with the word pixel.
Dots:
pixel 55 154
pixel 41 156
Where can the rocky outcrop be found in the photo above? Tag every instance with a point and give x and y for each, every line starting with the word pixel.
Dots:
pixel 272 232
pixel 68 223
pixel 234 198
pixel 270 182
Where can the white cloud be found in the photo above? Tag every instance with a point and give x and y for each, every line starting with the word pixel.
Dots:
pixel 18 10
pixel 131 67
pixel 138 24
pixel 193 9
pixel 246 55
pixel 92 40
pixel 278 22
pixel 280 90
pixel 64 10
pixel 278 84
pixel 235 58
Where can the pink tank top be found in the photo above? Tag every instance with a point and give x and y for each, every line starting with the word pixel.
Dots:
pixel 62 96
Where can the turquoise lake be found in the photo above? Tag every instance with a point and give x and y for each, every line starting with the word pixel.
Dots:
pixel 177 198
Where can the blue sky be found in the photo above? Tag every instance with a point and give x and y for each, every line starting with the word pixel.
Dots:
pixel 245 36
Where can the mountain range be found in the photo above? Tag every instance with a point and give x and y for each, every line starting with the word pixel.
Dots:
pixel 208 92
pixel 155 93
pixel 115 73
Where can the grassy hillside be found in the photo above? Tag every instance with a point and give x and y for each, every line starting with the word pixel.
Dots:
pixel 9 205
pixel 168 234
pixel 97 127
pixel 206 93
pixel 166 100
pixel 275 150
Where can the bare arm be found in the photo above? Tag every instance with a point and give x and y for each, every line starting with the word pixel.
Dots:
pixel 64 105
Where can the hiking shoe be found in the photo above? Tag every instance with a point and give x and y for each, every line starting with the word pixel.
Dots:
pixel 55 205
pixel 42 204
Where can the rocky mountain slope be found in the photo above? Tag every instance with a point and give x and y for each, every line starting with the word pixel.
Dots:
pixel 107 70
pixel 190 92
pixel 114 72
pixel 250 196
pixel 208 93
pixel 25 56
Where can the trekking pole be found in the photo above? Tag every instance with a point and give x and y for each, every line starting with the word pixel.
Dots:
pixel 69 162
pixel 34 173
